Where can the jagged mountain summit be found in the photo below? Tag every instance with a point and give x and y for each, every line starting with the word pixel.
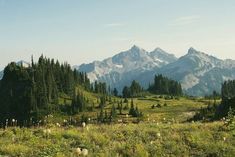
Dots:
pixel 122 68
pixel 198 72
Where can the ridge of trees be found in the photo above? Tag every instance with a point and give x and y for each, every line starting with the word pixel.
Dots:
pixel 134 90
pixel 30 93
pixel 164 85
pixel 219 111
pixel 228 99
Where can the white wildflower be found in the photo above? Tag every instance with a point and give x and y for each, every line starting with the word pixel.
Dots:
pixel 119 120
pixel 224 138
pixel 58 124
pixel 159 134
pixel 77 151
pixel 84 152
pixel 83 124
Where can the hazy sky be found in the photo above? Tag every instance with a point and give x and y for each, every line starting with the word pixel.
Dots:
pixel 80 31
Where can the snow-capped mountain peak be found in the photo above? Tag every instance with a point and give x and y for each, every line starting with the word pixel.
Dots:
pixel 113 69
pixel 192 50
pixel 195 53
pixel 136 48
pixel 133 54
pixel 198 72
pixel 162 55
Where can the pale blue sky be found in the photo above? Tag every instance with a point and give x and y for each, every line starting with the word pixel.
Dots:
pixel 80 31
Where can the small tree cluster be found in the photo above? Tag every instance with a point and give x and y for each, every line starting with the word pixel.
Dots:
pixel 79 102
pixel 134 111
pixel 134 90
pixel 104 117
pixel 164 85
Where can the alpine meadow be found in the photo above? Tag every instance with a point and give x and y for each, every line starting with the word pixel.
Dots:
pixel 73 81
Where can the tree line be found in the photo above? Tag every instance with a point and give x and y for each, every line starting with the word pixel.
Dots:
pixel 134 90
pixel 29 93
pixel 219 111
pixel 228 98
pixel 164 85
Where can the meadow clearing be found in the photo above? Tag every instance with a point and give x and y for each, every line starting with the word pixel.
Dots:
pixel 163 131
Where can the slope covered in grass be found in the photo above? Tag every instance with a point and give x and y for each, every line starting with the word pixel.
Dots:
pixel 144 139
pixel 163 131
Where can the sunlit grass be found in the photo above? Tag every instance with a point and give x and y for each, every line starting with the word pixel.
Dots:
pixel 163 132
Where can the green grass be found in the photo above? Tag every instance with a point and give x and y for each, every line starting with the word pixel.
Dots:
pixel 144 139
pixel 163 132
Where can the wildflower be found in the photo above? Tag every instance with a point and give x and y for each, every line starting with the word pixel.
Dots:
pixel 119 120
pixel 84 152
pixel 47 132
pixel 159 134
pixel 78 151
pixel 224 138
pixel 58 124
pixel 83 124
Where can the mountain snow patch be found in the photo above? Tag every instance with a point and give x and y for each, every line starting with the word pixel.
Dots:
pixel 119 66
pixel 189 81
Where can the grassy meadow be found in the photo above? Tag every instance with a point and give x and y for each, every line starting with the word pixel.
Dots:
pixel 163 131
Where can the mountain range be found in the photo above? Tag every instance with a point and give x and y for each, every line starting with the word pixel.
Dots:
pixel 199 73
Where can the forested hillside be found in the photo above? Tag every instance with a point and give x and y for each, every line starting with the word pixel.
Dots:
pixel 29 93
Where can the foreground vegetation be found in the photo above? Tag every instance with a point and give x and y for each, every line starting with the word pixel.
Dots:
pixel 143 139
pixel 162 131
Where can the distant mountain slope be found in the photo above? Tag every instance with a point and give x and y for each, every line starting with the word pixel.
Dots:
pixel 198 72
pixel 120 69
pixel 1 74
